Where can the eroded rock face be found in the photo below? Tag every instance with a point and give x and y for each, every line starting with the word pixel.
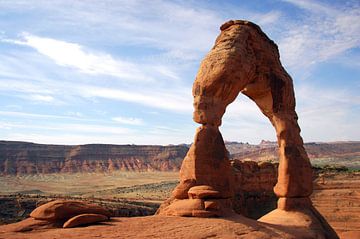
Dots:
pixel 17 158
pixel 205 174
pixel 244 60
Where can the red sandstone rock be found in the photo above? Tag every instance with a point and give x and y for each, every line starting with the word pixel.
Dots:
pixel 30 158
pixel 251 176
pixel 289 204
pixel 204 213
pixel 30 224
pixel 307 217
pixel 84 219
pixel 350 235
pixel 206 164
pixel 244 60
pixel 181 190
pixel 207 161
pixel 212 205
pixel 203 191
pixel 234 226
pixel 183 207
pixel 62 210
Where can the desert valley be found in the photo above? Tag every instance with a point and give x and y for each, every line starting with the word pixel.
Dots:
pixel 132 180
pixel 132 119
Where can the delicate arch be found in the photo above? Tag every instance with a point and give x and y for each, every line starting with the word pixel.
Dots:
pixel 244 60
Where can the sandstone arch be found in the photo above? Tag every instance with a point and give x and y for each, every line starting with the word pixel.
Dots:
pixel 243 60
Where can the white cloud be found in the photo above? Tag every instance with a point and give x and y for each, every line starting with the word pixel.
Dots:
pixel 128 120
pixel 166 39
pixel 70 127
pixel 244 122
pixel 75 114
pixel 324 34
pixel 268 18
pixel 32 115
pixel 43 98
pixel 75 56
pixel 327 114
pixel 171 100
pixel 312 6
pixel 65 138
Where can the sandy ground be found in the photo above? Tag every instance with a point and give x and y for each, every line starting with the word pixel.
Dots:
pixel 81 182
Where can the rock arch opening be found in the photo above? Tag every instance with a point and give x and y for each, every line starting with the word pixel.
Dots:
pixel 243 122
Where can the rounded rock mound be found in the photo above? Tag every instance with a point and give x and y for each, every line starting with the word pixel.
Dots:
pixel 84 219
pixel 63 210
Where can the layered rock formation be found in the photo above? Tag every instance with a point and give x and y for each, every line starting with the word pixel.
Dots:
pixel 29 158
pixel 19 158
pixel 253 187
pixel 245 60
pixel 337 152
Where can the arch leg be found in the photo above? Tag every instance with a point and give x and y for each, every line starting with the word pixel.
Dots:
pixel 294 172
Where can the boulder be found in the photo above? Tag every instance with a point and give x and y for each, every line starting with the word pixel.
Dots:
pixel 184 207
pixel 61 210
pixel 203 192
pixel 181 190
pixel 84 219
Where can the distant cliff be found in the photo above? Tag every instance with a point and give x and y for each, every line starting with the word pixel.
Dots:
pixel 267 151
pixel 30 158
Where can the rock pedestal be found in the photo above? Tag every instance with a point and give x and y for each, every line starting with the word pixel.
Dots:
pixel 206 178
pixel 244 60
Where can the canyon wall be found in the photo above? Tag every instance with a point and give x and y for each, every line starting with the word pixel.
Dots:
pixel 29 158
pixel 269 150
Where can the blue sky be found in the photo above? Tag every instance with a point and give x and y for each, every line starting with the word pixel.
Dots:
pixel 76 72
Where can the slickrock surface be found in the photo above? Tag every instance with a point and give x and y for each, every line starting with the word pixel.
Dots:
pixel 337 197
pixel 30 224
pixel 170 227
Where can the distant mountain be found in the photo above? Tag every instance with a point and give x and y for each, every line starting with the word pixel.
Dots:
pixel 30 158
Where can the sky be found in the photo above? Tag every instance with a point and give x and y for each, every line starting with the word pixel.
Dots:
pixel 121 72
